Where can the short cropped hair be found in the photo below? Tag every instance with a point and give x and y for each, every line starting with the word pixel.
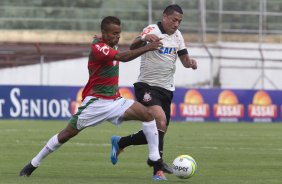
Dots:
pixel 109 20
pixel 172 8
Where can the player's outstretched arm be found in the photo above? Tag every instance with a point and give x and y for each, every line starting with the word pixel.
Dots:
pixel 188 62
pixel 140 41
pixel 132 54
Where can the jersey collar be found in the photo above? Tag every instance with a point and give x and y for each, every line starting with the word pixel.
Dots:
pixel 161 28
pixel 95 40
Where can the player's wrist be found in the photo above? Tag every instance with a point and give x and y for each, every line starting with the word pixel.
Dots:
pixel 143 38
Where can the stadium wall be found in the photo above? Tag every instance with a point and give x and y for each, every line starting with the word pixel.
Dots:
pixel 72 37
pixel 235 65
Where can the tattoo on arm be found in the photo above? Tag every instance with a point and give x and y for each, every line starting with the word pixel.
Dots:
pixel 137 43
pixel 130 54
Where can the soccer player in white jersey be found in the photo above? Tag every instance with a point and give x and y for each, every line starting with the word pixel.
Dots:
pixel 155 85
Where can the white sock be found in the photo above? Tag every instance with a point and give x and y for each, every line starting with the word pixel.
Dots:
pixel 51 146
pixel 151 132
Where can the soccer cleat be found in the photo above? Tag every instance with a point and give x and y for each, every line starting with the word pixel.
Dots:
pixel 160 164
pixel 115 149
pixel 159 176
pixel 27 170
pixel 169 170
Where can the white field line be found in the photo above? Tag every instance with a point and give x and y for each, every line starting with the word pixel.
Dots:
pixel 82 144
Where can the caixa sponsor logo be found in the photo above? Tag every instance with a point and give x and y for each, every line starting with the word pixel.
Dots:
pixel 19 107
pixel 167 50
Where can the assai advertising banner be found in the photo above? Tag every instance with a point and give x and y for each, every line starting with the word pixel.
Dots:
pixel 226 105
pixel 192 105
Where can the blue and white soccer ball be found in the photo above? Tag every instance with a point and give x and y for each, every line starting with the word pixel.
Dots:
pixel 184 166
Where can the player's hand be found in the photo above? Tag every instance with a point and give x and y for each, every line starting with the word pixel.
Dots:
pixel 154 45
pixel 193 64
pixel 151 38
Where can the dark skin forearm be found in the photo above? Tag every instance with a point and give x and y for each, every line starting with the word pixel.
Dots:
pixel 132 54
pixel 148 38
pixel 137 43
pixel 188 62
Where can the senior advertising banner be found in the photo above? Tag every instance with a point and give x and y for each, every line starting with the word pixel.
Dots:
pixel 191 105
pixel 36 102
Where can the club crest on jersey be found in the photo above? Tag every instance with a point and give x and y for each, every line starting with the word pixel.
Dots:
pixel 147 97
pixel 167 50
pixel 115 63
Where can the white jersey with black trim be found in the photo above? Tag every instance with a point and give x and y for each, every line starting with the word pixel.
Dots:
pixel 158 67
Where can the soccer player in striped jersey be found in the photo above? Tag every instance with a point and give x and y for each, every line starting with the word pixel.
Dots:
pixel 101 99
pixel 155 85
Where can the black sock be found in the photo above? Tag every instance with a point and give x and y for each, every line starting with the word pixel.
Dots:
pixel 161 147
pixel 138 138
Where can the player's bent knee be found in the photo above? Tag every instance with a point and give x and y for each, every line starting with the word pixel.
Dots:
pixel 162 126
pixel 148 116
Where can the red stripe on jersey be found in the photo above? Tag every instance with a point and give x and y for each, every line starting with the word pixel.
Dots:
pixel 103 52
pixel 103 72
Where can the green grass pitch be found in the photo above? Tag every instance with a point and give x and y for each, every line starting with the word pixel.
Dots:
pixel 226 153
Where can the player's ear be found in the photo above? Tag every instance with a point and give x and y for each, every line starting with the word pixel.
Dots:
pixel 165 17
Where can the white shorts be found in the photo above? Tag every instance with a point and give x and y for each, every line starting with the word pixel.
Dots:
pixel 94 111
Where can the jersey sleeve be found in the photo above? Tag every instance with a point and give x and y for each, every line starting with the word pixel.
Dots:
pixel 103 52
pixel 182 48
pixel 150 29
